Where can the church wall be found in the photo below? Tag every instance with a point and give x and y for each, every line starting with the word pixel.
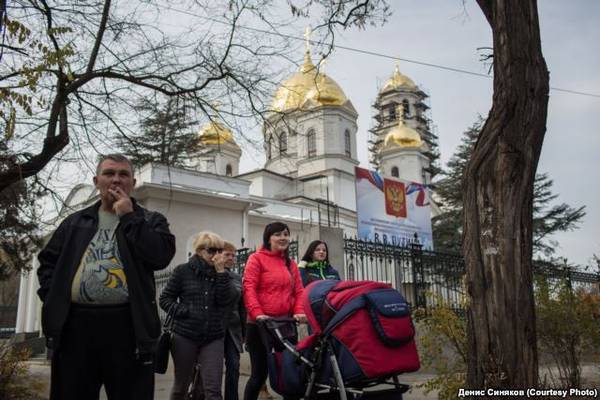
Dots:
pixel 186 220
pixel 319 164
pixel 162 175
pixel 224 158
pixel 410 166
pixel 346 191
pixel 302 142
pixel 315 189
pixel 284 165
pixel 255 232
pixel 292 142
pixel 274 187
pixel 340 186
pixel 334 136
pixel 256 186
pixel 329 126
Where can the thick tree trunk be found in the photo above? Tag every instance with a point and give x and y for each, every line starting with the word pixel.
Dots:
pixel 498 204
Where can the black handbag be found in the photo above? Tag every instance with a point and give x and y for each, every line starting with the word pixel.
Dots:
pixel 161 357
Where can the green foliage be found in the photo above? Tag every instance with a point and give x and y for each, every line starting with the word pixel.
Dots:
pixel 548 218
pixel 568 327
pixel 15 382
pixel 442 340
pixel 22 79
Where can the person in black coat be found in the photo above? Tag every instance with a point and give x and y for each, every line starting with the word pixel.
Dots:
pixel 198 294
pixel 235 332
pixel 96 277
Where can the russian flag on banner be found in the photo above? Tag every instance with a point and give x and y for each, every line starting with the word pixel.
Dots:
pixel 421 196
pixel 371 176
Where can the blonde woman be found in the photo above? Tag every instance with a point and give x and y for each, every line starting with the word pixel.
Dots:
pixel 201 291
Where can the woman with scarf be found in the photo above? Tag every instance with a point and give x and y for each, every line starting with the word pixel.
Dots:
pixel 315 264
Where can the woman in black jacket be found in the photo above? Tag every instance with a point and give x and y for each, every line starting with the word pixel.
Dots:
pixel 198 294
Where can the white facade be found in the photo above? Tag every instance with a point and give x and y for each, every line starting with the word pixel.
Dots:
pixel 411 164
pixel 220 159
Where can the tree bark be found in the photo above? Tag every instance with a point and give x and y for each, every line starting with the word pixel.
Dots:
pixel 498 204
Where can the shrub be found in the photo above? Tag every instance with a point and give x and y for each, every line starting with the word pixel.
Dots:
pixel 442 344
pixel 15 382
pixel 568 326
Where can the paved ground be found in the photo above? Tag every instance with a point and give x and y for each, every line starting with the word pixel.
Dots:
pixel 163 382
pixel 41 370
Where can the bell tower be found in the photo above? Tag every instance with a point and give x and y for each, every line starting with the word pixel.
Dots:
pixel 401 143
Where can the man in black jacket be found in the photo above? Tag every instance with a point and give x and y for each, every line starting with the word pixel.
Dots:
pixel 96 277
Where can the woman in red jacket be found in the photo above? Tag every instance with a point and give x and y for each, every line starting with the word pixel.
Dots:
pixel 272 287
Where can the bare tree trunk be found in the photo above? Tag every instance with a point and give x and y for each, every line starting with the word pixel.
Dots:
pixel 498 204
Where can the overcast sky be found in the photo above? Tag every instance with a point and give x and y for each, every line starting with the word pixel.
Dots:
pixel 443 32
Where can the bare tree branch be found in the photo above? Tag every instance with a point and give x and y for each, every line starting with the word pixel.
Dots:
pixel 99 37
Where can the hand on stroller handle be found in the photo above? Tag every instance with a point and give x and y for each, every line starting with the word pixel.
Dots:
pixel 297 319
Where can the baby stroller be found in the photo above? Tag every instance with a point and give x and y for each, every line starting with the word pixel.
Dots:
pixel 362 339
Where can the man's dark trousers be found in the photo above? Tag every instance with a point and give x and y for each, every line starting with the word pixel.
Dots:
pixel 232 369
pixel 98 347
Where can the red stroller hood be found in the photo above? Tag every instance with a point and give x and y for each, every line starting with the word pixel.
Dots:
pixel 320 306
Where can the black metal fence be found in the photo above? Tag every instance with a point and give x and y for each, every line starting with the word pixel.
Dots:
pixel 409 268
pixel 428 277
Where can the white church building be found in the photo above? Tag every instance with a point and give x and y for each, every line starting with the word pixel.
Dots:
pixel 307 181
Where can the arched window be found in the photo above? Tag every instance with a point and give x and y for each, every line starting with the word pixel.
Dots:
pixel 395 172
pixel 311 139
pixel 405 109
pixel 347 143
pixel 282 143
pixel 228 170
pixel 391 113
pixel 268 146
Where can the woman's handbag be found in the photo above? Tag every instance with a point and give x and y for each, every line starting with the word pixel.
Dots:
pixel 161 357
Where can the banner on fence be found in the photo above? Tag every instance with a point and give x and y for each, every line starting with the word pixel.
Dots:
pixel 391 210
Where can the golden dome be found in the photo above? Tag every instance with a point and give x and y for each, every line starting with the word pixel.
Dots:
pixel 215 133
pixel 398 80
pixel 403 136
pixel 307 84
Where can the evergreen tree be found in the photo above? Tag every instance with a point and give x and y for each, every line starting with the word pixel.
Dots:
pixel 449 190
pixel 548 218
pixel 167 136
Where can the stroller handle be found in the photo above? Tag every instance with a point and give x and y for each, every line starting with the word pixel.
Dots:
pixel 277 322
pixel 275 325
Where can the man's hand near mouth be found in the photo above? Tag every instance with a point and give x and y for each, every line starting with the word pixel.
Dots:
pixel 122 204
